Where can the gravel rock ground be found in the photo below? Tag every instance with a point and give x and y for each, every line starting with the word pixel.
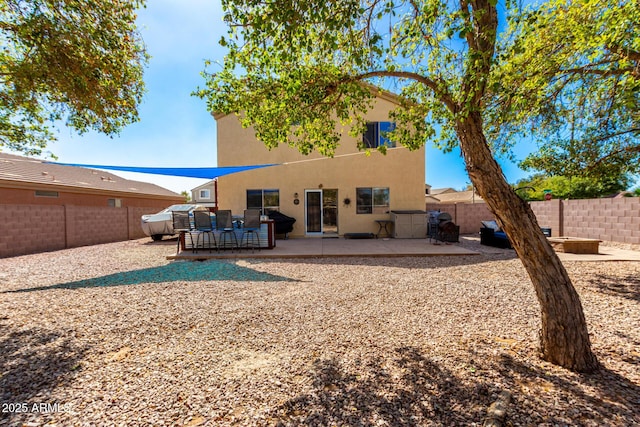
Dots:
pixel 116 335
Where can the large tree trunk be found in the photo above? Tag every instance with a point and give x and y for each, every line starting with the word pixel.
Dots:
pixel 564 338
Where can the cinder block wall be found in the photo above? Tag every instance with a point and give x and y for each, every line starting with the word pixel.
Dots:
pixel 616 220
pixel 88 225
pixel 133 221
pixel 467 215
pixel 27 229
pixel 549 215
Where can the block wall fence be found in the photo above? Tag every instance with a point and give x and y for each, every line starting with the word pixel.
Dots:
pixel 27 229
pixel 615 220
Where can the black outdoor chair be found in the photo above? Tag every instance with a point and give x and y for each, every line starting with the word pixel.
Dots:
pixel 182 226
pixel 251 228
pixel 203 227
pixel 224 224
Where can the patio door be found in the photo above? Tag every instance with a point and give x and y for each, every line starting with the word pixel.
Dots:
pixel 321 212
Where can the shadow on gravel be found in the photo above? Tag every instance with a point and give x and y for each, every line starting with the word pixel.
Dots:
pixel 409 389
pixel 173 272
pixel 626 287
pixel 33 363
pixel 542 397
pixel 416 262
pixel 425 393
pixel 171 241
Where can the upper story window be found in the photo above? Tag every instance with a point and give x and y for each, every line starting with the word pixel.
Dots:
pixel 375 136
pixel 372 200
pixel 264 199
pixel 205 194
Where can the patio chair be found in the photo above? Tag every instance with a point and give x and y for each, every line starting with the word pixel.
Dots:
pixel 181 225
pixel 202 225
pixel 224 224
pixel 251 228
pixel 492 235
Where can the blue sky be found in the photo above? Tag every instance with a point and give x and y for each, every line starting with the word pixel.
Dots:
pixel 175 129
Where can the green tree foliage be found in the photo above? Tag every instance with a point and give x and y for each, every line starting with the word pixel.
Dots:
pixel 75 60
pixel 562 187
pixel 300 73
pixel 570 80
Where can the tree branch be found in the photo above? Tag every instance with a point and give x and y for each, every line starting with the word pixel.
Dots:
pixel 431 84
pixel 631 54
pixel 470 36
pixel 632 149
pixel 416 13
pixel 482 42
pixel 611 72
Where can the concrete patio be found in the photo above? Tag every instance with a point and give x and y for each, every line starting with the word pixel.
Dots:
pixel 340 247
pixel 331 247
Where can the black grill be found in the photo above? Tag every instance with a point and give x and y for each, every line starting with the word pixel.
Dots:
pixel 442 228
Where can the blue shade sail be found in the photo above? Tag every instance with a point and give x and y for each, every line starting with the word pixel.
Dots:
pixel 205 173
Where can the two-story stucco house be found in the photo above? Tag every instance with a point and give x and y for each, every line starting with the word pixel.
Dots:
pixel 205 194
pixel 326 196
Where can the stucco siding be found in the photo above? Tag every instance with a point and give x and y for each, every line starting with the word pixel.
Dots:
pixel 400 170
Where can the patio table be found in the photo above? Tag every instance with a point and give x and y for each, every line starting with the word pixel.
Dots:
pixel 383 224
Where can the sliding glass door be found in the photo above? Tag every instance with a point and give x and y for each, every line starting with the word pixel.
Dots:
pixel 313 211
pixel 321 212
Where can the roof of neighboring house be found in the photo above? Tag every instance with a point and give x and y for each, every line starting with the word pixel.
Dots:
pixel 26 171
pixel 208 184
pixel 454 197
pixel 621 194
pixel 430 199
pixel 435 191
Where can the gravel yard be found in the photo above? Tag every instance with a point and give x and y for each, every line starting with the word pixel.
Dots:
pixel 115 334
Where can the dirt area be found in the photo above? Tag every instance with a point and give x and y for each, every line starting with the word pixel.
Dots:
pixel 116 334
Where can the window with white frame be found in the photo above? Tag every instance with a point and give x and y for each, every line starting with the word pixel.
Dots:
pixel 372 200
pixel 266 200
pixel 375 136
pixel 205 194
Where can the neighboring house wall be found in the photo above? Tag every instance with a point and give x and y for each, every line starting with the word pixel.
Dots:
pixel 205 193
pixel 28 229
pixel 616 220
pixel 30 181
pixel 46 206
pixel 28 196
pixel 400 170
